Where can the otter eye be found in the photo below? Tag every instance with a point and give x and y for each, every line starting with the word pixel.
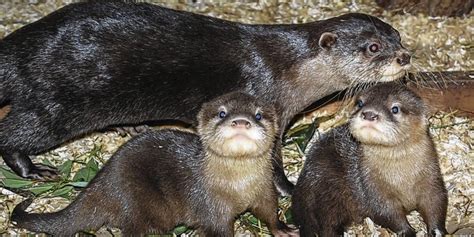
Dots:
pixel 395 109
pixel 374 47
pixel 222 114
pixel 258 116
pixel 360 103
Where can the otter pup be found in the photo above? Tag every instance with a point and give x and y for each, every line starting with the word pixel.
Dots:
pixel 164 178
pixel 94 64
pixel 382 165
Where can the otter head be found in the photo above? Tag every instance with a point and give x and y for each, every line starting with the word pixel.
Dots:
pixel 388 114
pixel 359 48
pixel 237 125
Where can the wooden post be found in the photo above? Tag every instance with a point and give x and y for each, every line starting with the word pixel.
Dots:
pixel 428 7
pixel 442 91
pixel 447 91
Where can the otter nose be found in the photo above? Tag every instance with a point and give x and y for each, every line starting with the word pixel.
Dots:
pixel 369 115
pixel 241 123
pixel 404 59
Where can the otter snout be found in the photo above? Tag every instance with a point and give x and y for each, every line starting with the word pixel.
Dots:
pixel 369 115
pixel 403 58
pixel 241 123
pixel 398 66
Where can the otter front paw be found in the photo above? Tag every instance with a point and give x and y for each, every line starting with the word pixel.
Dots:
pixel 286 231
pixel 42 172
pixel 133 131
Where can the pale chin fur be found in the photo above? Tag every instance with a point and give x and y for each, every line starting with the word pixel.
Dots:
pixel 240 142
pixel 377 133
pixel 252 133
pixel 239 147
pixel 393 71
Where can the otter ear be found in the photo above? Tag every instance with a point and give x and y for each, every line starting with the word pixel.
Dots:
pixel 327 40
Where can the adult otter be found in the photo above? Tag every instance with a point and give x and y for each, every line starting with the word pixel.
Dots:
pixel 382 165
pixel 164 178
pixel 95 64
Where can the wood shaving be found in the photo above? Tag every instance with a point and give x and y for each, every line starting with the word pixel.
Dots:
pixel 438 44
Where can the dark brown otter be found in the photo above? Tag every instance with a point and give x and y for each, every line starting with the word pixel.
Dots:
pixel 382 165
pixel 164 178
pixel 95 64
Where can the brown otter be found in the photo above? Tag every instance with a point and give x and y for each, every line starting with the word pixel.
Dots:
pixel 382 165
pixel 164 178
pixel 90 65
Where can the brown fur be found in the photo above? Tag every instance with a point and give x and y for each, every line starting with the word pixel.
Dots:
pixel 4 111
pixel 161 179
pixel 382 169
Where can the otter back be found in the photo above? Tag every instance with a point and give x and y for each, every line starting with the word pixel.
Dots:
pixel 91 65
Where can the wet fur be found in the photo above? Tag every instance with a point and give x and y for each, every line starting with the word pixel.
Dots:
pixel 161 179
pixel 345 180
pixel 91 65
pixel 139 190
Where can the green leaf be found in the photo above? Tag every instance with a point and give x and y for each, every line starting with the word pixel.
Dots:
pixel 297 131
pixel 9 174
pixel 16 183
pixel 47 162
pixel 79 184
pixel 301 135
pixel 81 175
pixel 253 220
pixel 87 173
pixel 289 217
pixel 12 180
pixel 93 166
pixel 62 192
pixel 180 230
pixel 42 188
pixel 65 168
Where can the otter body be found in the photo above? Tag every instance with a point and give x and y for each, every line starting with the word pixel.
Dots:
pixel 161 179
pixel 91 65
pixel 382 165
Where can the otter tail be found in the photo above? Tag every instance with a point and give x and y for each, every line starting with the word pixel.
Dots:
pixel 66 222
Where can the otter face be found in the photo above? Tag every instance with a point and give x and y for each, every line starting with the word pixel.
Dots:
pixel 364 49
pixel 237 125
pixel 388 114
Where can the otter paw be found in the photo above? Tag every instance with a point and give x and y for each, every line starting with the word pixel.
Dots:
pixel 287 232
pixel 133 131
pixel 42 172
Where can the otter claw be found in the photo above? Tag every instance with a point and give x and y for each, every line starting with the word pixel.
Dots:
pixel 133 131
pixel 287 233
pixel 42 172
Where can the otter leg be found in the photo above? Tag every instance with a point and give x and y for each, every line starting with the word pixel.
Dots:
pixel 21 164
pixel 309 223
pixel 224 228
pixel 332 231
pixel 266 210
pixel 22 134
pixel 433 210
pixel 284 186
pixel 133 131
pixel 395 220
pixel 305 231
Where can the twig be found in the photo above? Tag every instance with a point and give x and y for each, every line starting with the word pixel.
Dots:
pixel 450 125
